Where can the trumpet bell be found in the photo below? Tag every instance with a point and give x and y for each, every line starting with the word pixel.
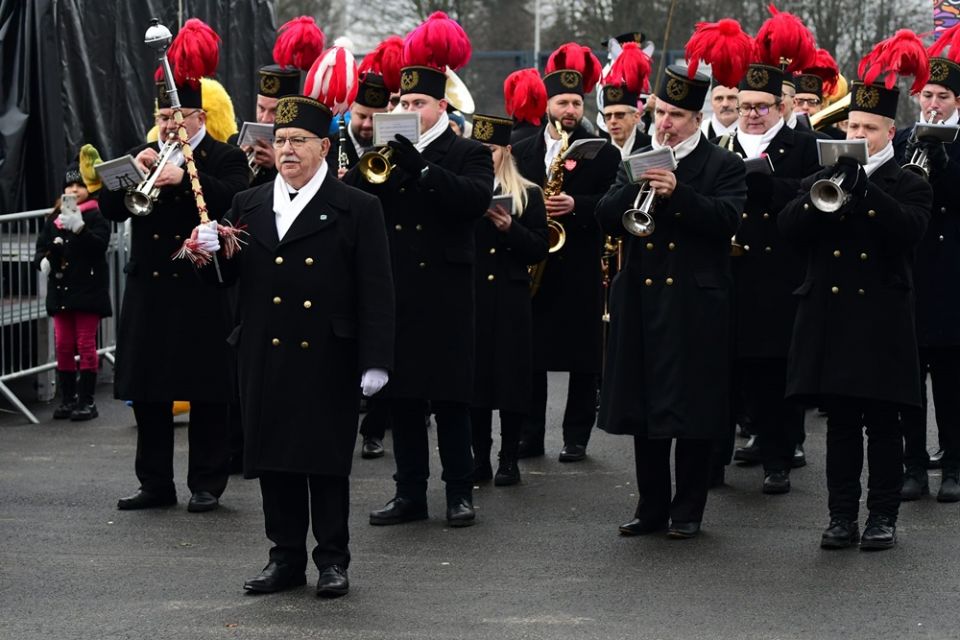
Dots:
pixel 827 195
pixel 138 203
pixel 375 166
pixel 556 236
pixel 638 223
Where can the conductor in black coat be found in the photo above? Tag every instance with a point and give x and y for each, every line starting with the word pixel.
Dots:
pixel 438 190
pixel 854 347
pixel 568 307
pixel 667 372
pixel 315 319
pixel 170 322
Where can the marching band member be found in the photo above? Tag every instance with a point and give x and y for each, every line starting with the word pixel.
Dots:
pixel 506 243
pixel 621 99
pixel 813 84
pixel 854 347
pixel 723 119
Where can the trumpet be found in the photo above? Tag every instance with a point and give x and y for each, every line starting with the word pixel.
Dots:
pixel 375 166
pixel 919 162
pixel 639 219
pixel 252 163
pixel 140 201
pixel 828 194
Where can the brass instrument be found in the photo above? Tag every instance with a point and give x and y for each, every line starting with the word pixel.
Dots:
pixel 556 234
pixel 457 94
pixel 252 163
pixel 342 159
pixel 919 162
pixel 836 112
pixel 639 219
pixel 375 165
pixel 140 201
pixel 828 194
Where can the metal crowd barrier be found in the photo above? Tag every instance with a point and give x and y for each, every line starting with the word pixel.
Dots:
pixel 26 333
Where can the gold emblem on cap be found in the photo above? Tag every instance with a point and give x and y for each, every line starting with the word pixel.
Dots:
pixel 757 78
pixel 638 37
pixel 269 85
pixel 482 130
pixel 374 96
pixel 409 80
pixel 677 89
pixel 939 71
pixel 614 93
pixel 286 112
pixel 808 84
pixel 570 79
pixel 866 97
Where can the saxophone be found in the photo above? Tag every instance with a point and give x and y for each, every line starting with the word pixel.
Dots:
pixel 556 234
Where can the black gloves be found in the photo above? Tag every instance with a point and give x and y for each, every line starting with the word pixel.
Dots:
pixel 936 155
pixel 406 156
pixel 854 177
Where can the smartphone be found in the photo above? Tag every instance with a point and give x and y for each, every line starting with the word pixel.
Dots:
pixel 504 201
pixel 68 203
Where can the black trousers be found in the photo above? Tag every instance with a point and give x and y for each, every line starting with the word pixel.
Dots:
pixel 481 426
pixel 777 422
pixel 578 416
pixel 943 365
pixel 846 421
pixel 691 459
pixel 209 458
pixel 290 502
pixel 376 420
pixel 412 453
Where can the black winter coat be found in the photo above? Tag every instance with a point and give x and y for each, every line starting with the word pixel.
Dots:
pixel 854 336
pixel 667 371
pixel 170 342
pixel 568 308
pixel 430 224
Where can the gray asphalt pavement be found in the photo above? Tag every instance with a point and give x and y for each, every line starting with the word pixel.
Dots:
pixel 544 561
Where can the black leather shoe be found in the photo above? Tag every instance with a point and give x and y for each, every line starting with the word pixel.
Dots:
pixel 372 448
pixel 840 534
pixel 717 475
pixel 936 460
pixel 202 501
pixel 482 471
pixel 638 527
pixel 508 473
pixel 145 500
pixel 880 532
pixel 275 577
pixel 532 448
pixel 573 453
pixel 683 530
pixel 749 453
pixel 949 488
pixel 915 484
pixel 333 582
pixel 461 513
pixel 799 457
pixel 776 483
pixel 398 511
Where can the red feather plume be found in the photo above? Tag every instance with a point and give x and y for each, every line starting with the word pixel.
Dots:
pixel 579 58
pixel 385 61
pixel 193 54
pixel 439 42
pixel 902 54
pixel 630 69
pixel 947 38
pixel 299 43
pixel 724 46
pixel 784 37
pixel 333 80
pixel 524 95
pixel 827 69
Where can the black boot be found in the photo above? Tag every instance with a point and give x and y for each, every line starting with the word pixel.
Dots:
pixel 86 408
pixel 508 473
pixel 67 381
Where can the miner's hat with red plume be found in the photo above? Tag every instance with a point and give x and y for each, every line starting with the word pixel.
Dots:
pixel 193 54
pixel 902 54
pixel 299 43
pixel 819 78
pixel 683 90
pixel 783 45
pixel 525 96
pixel 438 44
pixel 573 68
pixel 724 46
pixel 329 90
pixel 629 76
pixel 944 58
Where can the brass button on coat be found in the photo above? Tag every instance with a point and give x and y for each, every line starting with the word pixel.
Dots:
pixel 861 291
pixel 275 342
pixel 491 277
pixel 278 260
pixel 834 289
pixel 649 246
pixel 307 304
pixel 156 274
pixel 648 282
pixel 836 253
pixel 669 281
pixel 399 227
pixel 863 256
pixel 871 213
pixel 304 345
pixel 671 246
pixel 766 216
pixel 308 262
pixel 493 250
pixel 276 300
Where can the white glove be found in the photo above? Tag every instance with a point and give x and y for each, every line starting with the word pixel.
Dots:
pixel 71 220
pixel 45 267
pixel 208 238
pixel 373 380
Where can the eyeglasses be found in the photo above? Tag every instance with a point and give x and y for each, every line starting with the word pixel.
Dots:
pixel 808 102
pixel 760 109
pixel 296 142
pixel 162 120
pixel 615 115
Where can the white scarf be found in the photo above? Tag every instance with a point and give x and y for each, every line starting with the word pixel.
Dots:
pixel 875 161
pixel 553 148
pixel 792 120
pixel 176 158
pixel 434 132
pixel 755 144
pixel 718 127
pixel 627 147
pixel 288 209
pixel 954 119
pixel 683 149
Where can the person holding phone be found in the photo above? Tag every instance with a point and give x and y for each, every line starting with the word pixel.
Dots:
pixel 511 235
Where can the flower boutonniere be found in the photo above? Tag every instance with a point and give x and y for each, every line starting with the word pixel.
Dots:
pixel 569 164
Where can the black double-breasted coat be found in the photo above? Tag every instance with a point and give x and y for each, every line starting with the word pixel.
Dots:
pixel 854 335
pixel 667 371
pixel 430 224
pixel 170 341
pixel 79 279
pixel 314 310
pixel 769 269
pixel 568 307
pixel 504 319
